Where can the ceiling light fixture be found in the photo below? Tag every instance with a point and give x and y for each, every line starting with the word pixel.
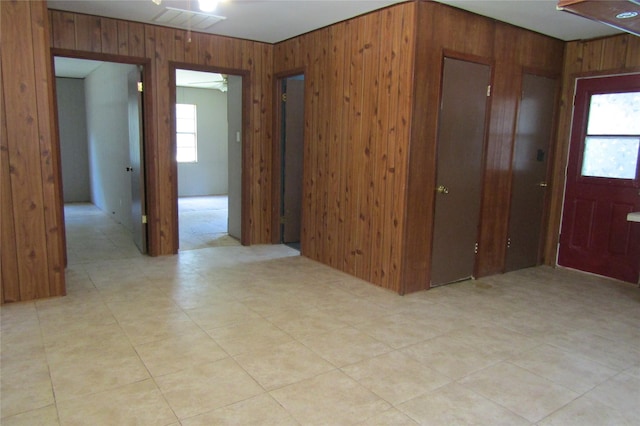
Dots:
pixel 626 15
pixel 207 5
pixel 157 2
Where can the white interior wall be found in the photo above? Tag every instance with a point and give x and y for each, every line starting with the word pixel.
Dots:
pixel 108 140
pixel 72 126
pixel 209 176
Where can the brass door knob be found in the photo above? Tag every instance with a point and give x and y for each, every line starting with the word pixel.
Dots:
pixel 441 189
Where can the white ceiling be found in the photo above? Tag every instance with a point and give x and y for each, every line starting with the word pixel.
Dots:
pixel 272 21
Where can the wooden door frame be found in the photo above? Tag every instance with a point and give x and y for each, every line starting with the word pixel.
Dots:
pixel 276 187
pixel 146 145
pixel 245 220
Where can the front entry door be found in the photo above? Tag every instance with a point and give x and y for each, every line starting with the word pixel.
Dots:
pixel 528 193
pixel 461 132
pixel 292 156
pixel 135 157
pixel 603 179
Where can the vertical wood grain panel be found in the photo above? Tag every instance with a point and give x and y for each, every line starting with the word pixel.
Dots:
pixel 109 36
pixel 179 45
pixel 265 140
pixel 123 38
pixel 371 58
pixel 63 29
pixel 49 150
pixel 404 121
pixel 421 164
pixel 10 283
pixel 88 33
pixel 380 125
pixel 137 40
pixel 633 52
pixel 494 212
pixel 334 158
pixel 345 148
pixel 19 86
pixel 167 191
pixel 352 247
pixel 359 75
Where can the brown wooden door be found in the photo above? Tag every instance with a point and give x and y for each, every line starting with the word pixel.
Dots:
pixel 528 192
pixel 461 134
pixel 292 156
pixel 136 165
pixel 603 179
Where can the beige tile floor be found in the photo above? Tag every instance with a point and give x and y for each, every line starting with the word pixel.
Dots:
pixel 203 222
pixel 261 336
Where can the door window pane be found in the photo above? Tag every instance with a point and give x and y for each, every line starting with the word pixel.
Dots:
pixel 610 157
pixel 613 136
pixel 614 114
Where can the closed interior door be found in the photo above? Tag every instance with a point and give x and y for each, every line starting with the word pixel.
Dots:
pixel 528 193
pixel 603 180
pixel 136 164
pixel 461 133
pixel 292 156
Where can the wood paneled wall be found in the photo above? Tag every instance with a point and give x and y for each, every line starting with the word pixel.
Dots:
pixel 612 55
pixel 31 221
pixel 358 97
pixel 443 30
pixel 162 46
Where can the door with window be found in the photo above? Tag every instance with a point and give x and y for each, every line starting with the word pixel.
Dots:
pixel 603 181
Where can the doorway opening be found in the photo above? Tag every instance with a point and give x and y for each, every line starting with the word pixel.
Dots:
pixel 291 127
pixel 100 110
pixel 208 140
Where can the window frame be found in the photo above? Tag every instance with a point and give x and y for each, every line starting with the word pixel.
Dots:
pixel 194 118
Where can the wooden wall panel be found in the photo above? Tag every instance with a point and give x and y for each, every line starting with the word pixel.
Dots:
pixel 10 287
pixel 357 118
pixel 612 55
pixel 50 161
pixel 63 31
pixel 32 229
pixel 88 33
pixel 34 225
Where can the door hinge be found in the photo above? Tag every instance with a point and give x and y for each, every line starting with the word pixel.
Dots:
pixel 284 97
pixel 283 220
pixel 140 87
pixel 144 218
pixel 475 248
pixel 489 90
pixel 508 242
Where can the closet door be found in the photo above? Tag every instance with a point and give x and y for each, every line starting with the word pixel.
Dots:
pixel 529 188
pixel 461 134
